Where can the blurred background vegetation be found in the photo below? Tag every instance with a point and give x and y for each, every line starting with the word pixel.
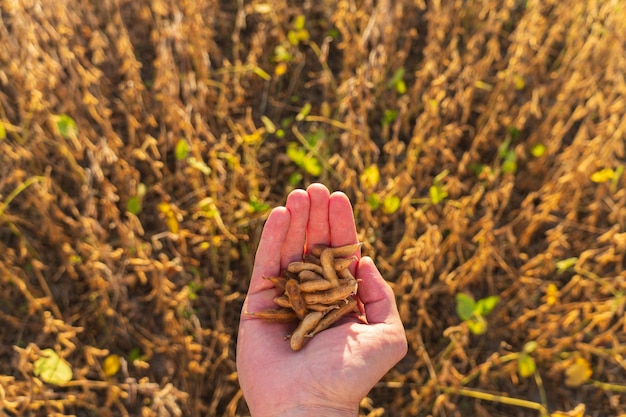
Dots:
pixel 143 143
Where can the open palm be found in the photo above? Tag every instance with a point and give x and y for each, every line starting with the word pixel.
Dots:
pixel 337 368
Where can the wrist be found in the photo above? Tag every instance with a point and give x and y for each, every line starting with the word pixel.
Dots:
pixel 313 411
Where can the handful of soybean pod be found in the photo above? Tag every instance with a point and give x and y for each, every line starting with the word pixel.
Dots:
pixel 317 291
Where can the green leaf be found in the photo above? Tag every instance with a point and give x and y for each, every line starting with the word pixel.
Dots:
pixel 295 153
pixel 281 54
pixel 396 78
pixel 66 126
pixel 374 201
pixel 304 112
pixel 182 149
pixel 485 305
pixel 134 354
pixel 389 116
pixel 295 179
pixel 391 204
pixel 257 206
pixel 134 205
pixel 526 365
pixel 401 87
pixel 509 166
pixel 52 369
pixel 465 306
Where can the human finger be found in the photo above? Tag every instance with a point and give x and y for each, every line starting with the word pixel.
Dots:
pixel 376 294
pixel 267 260
pixel 318 226
pixel 341 220
pixel 297 204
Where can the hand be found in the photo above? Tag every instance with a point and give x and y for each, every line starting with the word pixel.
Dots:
pixel 336 368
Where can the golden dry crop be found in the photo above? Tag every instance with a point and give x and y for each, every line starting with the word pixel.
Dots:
pixel 143 143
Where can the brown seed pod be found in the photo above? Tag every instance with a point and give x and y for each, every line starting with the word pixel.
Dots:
pixel 279 282
pixel 346 250
pixel 307 275
pixel 306 325
pixel 328 266
pixel 332 316
pixel 316 250
pixel 339 251
pixel 312 259
pixel 288 275
pixel 344 263
pixel 282 301
pixel 322 307
pixel 345 274
pixel 281 315
pixel 292 290
pixel 331 296
pixel 313 285
pixel 297 267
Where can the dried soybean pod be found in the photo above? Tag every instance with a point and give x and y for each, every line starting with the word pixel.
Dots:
pixel 328 265
pixel 279 282
pixel 312 259
pixel 345 274
pixel 346 250
pixel 321 307
pixel 282 301
pixel 309 276
pixel 315 285
pixel 344 263
pixel 306 325
pixel 331 296
pixel 297 267
pixel 280 315
pixel 332 316
pixel 295 298
pixel 316 250
pixel 288 275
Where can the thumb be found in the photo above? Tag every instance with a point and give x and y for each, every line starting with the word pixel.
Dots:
pixel 376 294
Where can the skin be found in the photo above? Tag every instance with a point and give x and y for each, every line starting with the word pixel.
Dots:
pixel 338 367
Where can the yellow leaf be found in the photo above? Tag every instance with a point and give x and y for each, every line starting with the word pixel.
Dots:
pixel 552 294
pixel 578 373
pixel 579 411
pixel 172 223
pixel 603 175
pixel 370 177
pixel 253 137
pixel 281 68
pixel 111 365
pixel 164 207
pixel 519 82
pixel 51 368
